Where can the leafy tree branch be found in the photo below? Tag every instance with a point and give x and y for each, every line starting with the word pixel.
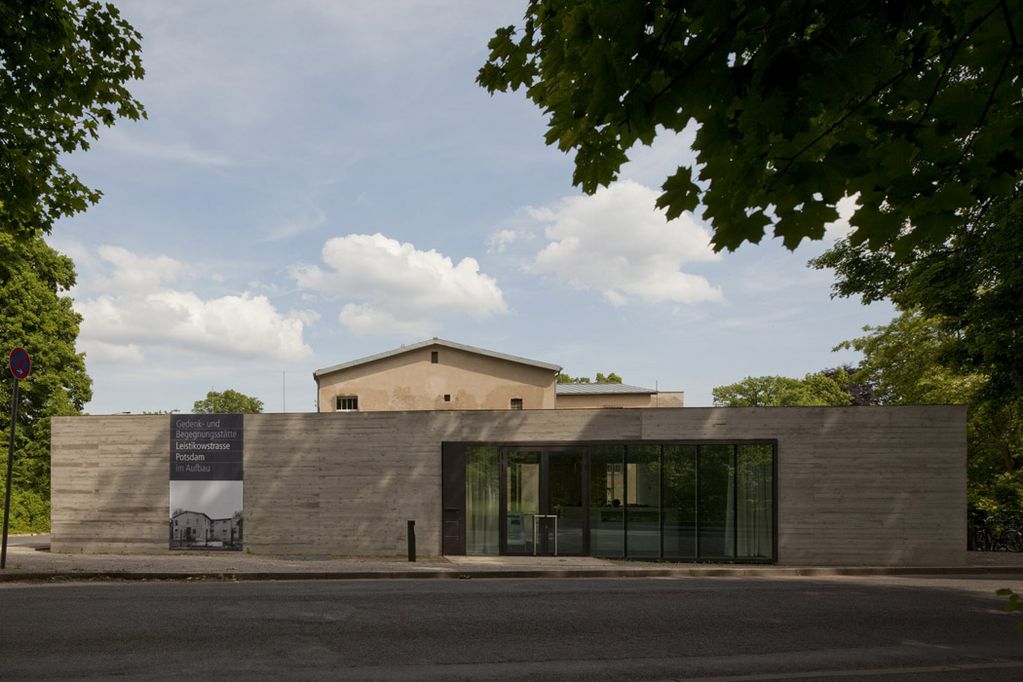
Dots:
pixel 912 107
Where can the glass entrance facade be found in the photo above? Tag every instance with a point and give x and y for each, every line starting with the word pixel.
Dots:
pixel 687 501
pixel 543 510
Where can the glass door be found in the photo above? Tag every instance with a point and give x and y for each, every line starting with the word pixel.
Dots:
pixel 545 507
pixel 520 492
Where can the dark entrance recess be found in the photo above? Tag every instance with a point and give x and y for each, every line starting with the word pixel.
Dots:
pixel 453 499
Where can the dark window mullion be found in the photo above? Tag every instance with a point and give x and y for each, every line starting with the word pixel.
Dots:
pixel 660 503
pixel 696 500
pixel 502 504
pixel 585 484
pixel 625 501
pixel 735 501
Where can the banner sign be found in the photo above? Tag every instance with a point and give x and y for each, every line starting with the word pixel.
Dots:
pixel 206 447
pixel 206 478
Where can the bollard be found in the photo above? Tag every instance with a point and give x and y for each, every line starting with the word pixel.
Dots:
pixel 411 540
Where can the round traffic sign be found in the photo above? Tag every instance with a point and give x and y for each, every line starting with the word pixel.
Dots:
pixel 19 363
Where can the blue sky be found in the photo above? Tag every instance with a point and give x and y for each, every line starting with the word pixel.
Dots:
pixel 318 181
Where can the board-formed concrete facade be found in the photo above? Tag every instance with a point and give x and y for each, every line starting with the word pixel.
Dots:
pixel 855 486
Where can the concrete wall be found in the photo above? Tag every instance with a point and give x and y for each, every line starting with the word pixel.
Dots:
pixel 580 401
pixel 409 381
pixel 858 485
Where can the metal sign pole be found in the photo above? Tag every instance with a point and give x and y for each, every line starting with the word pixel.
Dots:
pixel 10 472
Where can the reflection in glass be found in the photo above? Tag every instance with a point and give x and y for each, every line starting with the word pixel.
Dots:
pixel 707 501
pixel 716 501
pixel 643 501
pixel 607 491
pixel 565 500
pixel 523 501
pixel 482 481
pixel 754 501
pixel 679 501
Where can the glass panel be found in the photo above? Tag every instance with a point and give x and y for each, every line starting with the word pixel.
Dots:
pixel 710 501
pixel 680 501
pixel 716 502
pixel 565 495
pixel 523 502
pixel 482 482
pixel 754 501
pixel 607 490
pixel 643 500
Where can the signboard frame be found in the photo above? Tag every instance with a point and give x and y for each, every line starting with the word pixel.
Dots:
pixel 206 478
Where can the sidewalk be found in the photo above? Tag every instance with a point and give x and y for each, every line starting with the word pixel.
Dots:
pixel 29 559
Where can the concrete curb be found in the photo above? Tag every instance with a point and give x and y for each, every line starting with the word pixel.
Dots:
pixel 454 574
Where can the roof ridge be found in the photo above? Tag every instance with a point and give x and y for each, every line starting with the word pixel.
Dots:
pixel 436 341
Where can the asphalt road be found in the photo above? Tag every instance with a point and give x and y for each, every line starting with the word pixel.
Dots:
pixel 640 629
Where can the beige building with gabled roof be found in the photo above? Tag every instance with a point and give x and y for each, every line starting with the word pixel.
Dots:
pixel 437 374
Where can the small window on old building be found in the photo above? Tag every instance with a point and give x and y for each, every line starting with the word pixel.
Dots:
pixel 434 357
pixel 447 397
pixel 347 403
pixel 516 403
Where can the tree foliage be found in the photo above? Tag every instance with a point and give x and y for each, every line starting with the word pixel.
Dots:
pixel 1014 603
pixel 64 65
pixel 914 106
pixel 35 315
pixel 862 390
pixel 903 361
pixel 776 391
pixel 227 402
pixel 601 378
pixel 972 286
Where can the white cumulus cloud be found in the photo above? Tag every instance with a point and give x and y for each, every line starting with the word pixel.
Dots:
pixel 394 287
pixel 128 271
pixel 616 242
pixel 847 207
pixel 650 165
pixel 136 311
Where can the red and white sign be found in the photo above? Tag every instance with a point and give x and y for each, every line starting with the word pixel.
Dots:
pixel 19 363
